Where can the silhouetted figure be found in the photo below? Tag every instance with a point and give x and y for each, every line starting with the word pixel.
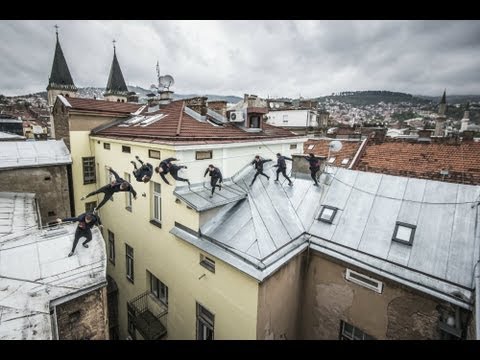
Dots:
pixel 215 176
pixel 314 166
pixel 258 163
pixel 282 167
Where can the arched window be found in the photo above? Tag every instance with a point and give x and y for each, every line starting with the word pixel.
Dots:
pixel 67 95
pixel 118 100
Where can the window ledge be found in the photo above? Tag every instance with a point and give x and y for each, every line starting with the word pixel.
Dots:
pixel 130 279
pixel 156 223
pixel 128 208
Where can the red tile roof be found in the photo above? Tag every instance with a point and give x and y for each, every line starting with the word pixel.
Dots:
pixel 93 105
pixel 320 148
pixel 424 160
pixel 179 126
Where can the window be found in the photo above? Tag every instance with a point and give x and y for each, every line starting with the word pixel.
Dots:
pixel 126 149
pixel 154 154
pixel 106 146
pixel 207 263
pixel 129 262
pixel 128 194
pixel 108 179
pixel 156 203
pixel 111 247
pixel 404 233
pixel 345 161
pixel 255 122
pixel 327 214
pixel 350 332
pixel 364 280
pixel 131 323
pixel 285 119
pixel 205 323
pixel 51 213
pixel 311 146
pixel 158 289
pixel 88 170
pixel 202 155
pixel 293 146
pixel 89 206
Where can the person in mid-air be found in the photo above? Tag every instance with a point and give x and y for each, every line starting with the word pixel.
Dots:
pixel 144 173
pixel 282 167
pixel 215 176
pixel 258 163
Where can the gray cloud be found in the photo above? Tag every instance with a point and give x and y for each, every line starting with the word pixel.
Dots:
pixel 268 58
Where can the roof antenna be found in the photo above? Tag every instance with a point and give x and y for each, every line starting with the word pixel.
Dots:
pixel 114 46
pixel 56 30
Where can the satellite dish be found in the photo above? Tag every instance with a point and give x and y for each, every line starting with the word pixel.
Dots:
pixel 335 145
pixel 166 81
pixel 153 87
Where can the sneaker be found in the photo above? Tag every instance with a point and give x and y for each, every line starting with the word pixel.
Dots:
pixel 211 196
pixel 251 185
pixel 83 197
pixel 290 184
pixel 276 180
pixel 85 245
pixel 188 182
pixel 132 162
pixel 268 177
pixel 219 187
pixel 70 254
pixel 315 184
pixel 136 157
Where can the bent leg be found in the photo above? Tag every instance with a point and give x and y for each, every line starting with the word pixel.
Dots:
pixel 88 236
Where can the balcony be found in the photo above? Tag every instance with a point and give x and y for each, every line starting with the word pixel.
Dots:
pixel 149 316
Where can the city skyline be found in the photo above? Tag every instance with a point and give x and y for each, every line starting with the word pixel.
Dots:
pixel 269 58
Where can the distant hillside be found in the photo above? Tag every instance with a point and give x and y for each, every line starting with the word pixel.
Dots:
pixel 452 99
pixel 373 97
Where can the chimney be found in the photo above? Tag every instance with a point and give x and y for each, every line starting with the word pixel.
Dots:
pixel 424 135
pixel 299 165
pixel 219 106
pixel 198 104
pixel 379 135
pixel 467 135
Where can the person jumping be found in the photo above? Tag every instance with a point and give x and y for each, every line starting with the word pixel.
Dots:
pixel 258 163
pixel 215 175
pixel 282 167
pixel 85 222
pixel 314 167
pixel 144 173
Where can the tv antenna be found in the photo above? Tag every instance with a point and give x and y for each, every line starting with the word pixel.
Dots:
pixel 164 82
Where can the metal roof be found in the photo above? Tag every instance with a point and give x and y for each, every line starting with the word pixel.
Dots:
pixel 36 273
pixel 18 211
pixel 20 154
pixel 276 220
pixel 8 136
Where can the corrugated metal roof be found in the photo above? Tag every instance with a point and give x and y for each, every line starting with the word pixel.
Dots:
pixel 35 271
pixel 18 212
pixel 275 219
pixel 20 154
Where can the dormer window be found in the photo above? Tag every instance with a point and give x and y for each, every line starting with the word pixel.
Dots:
pixel 327 214
pixel 255 122
pixel 404 233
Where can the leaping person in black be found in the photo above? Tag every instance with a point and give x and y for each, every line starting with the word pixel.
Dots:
pixel 144 173
pixel 115 186
pixel 166 167
pixel 85 222
pixel 215 175
pixel 314 167
pixel 282 167
pixel 258 162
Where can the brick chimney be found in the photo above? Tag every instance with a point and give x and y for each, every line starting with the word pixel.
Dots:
pixel 467 135
pixel 198 104
pixel 219 106
pixel 300 165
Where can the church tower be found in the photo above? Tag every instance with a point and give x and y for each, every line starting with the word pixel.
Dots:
pixel 466 119
pixel 60 81
pixel 116 88
pixel 440 120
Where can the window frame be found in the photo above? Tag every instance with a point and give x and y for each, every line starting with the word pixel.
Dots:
pixel 412 233
pixel 204 322
pixel 92 179
pixel 328 221
pixel 207 263
pixel 89 207
pixel 161 288
pixel 251 122
pixel 106 146
pixel 128 194
pixel 111 246
pixel 156 199
pixel 357 279
pixel 126 149
pixel 153 157
pixel 293 146
pixel 131 258
pixel 198 155
pixel 345 336
pixel 131 330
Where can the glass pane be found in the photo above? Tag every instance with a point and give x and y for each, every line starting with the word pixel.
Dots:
pixel 348 330
pixel 403 233
pixel 155 208
pixel 156 187
pixel 327 214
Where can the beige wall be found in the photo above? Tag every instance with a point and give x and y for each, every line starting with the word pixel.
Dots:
pixel 84 318
pixel 279 302
pixel 397 313
pixel 49 183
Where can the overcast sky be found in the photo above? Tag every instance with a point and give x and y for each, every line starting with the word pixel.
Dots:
pixel 268 58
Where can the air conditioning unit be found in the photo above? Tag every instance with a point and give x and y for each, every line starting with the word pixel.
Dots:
pixel 237 116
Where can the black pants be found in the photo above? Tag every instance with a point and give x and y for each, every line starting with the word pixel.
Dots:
pixel 259 172
pixel 313 174
pixel 213 183
pixel 107 190
pixel 86 233
pixel 176 177
pixel 283 171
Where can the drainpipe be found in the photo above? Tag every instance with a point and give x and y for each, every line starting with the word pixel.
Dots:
pixel 477 278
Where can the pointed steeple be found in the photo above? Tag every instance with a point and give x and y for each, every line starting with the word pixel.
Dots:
pixel 60 78
pixel 444 97
pixel 116 84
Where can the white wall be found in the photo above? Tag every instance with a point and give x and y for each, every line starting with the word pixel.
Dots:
pixel 296 118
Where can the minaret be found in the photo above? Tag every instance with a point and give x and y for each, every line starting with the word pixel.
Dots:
pixel 440 120
pixel 466 118
pixel 60 81
pixel 116 88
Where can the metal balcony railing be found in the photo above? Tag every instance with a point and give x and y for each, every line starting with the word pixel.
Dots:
pixel 149 316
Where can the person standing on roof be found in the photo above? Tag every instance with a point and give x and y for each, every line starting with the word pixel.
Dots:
pixel 282 167
pixel 164 169
pixel 314 167
pixel 258 163
pixel 117 185
pixel 85 222
pixel 215 176
pixel 144 173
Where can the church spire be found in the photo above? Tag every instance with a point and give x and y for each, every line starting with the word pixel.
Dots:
pixel 116 89
pixel 60 78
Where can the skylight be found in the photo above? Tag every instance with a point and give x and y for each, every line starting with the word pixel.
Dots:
pixel 331 160
pixel 311 146
pixel 404 233
pixel 345 161
pixel 327 214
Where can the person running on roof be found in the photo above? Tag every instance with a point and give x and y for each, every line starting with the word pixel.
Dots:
pixel 164 169
pixel 258 162
pixel 115 186
pixel 144 173
pixel 282 167
pixel 314 166
pixel 173 170
pixel 85 222
pixel 215 175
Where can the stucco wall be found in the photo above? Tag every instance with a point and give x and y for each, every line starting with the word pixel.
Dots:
pixel 84 318
pixel 279 302
pixel 397 313
pixel 49 183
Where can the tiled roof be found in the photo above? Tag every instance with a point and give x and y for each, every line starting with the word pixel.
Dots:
pixel 94 105
pixel 177 126
pixel 424 160
pixel 320 148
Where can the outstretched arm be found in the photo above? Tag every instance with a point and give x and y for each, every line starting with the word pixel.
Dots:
pixel 287 158
pixel 72 219
pixel 206 172
pixel 117 178
pixel 221 176
pixel 132 190
pixel 170 159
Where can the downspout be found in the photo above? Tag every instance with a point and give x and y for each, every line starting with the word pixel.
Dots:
pixel 477 276
pixel 359 153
